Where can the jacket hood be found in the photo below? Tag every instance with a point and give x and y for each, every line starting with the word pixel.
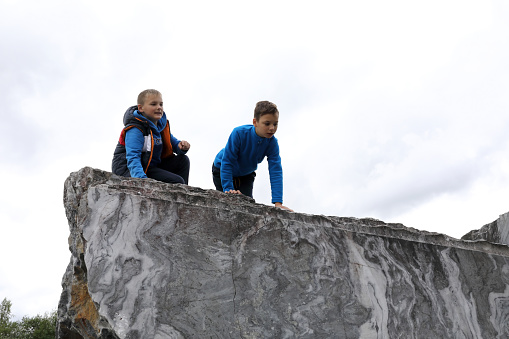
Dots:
pixel 129 114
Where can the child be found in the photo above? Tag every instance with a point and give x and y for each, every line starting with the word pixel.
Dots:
pixel 233 170
pixel 146 147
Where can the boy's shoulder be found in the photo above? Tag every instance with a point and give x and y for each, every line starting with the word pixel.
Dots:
pixel 242 131
pixel 243 128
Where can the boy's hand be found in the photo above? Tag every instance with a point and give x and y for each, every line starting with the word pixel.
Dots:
pixel 184 145
pixel 233 191
pixel 280 205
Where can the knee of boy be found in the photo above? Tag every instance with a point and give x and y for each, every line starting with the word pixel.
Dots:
pixel 185 160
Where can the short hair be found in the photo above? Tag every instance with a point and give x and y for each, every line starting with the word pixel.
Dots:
pixel 143 95
pixel 264 107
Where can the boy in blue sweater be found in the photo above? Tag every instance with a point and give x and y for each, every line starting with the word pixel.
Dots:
pixel 234 167
pixel 146 148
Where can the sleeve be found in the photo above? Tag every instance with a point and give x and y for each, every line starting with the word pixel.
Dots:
pixel 175 145
pixel 230 157
pixel 134 144
pixel 275 172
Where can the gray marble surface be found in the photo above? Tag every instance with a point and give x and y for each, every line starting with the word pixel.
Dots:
pixel 495 232
pixel 151 260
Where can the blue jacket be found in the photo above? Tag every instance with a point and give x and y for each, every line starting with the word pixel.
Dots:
pixel 242 154
pixel 142 144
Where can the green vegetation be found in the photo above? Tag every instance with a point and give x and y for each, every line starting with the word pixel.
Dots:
pixel 38 327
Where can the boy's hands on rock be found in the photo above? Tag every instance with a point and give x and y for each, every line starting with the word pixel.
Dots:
pixel 233 191
pixel 184 145
pixel 280 205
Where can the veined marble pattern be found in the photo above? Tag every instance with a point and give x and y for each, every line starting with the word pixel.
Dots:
pixel 503 228
pixel 163 261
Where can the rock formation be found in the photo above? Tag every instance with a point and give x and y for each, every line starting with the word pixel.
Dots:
pixel 495 232
pixel 152 260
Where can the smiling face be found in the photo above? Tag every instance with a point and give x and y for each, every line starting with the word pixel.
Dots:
pixel 152 108
pixel 266 125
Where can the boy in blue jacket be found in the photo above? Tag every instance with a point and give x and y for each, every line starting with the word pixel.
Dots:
pixel 146 148
pixel 233 170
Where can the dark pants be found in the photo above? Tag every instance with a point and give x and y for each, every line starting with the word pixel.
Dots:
pixel 244 184
pixel 173 170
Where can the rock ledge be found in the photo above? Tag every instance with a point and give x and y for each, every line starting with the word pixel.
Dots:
pixel 152 260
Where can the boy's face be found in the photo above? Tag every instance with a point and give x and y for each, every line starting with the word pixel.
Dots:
pixel 152 108
pixel 266 126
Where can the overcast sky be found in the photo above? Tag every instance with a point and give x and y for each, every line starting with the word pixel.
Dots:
pixel 395 110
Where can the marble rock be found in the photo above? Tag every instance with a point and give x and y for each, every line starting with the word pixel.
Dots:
pixel 495 232
pixel 152 260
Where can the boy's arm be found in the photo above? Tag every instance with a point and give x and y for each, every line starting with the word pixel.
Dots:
pixel 276 175
pixel 175 145
pixel 230 157
pixel 179 146
pixel 275 172
pixel 134 141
